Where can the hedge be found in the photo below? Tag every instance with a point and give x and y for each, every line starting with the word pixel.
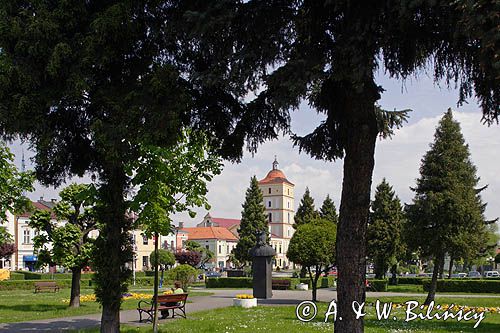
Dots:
pixel 246 282
pixel 16 276
pixel 27 275
pixel 410 280
pixel 378 285
pixel 30 284
pixel 467 286
pixel 232 282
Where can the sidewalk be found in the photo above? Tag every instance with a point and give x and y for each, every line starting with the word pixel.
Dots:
pixel 220 298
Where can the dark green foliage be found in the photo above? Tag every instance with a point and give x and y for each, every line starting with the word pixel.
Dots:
pixel 446 215
pixel 246 282
pixel 328 210
pixel 465 285
pixel 378 284
pixel 233 282
pixel 410 280
pixel 384 233
pixel 253 219
pixel 306 212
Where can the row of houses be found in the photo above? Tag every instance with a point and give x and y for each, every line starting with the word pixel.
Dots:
pixel 219 235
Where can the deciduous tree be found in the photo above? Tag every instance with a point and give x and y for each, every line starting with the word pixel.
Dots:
pixel 67 242
pixel 313 246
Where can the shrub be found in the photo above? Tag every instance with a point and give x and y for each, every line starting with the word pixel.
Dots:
pixel 410 280
pixel 30 284
pixel 184 273
pixel 16 276
pixel 30 275
pixel 232 282
pixel 462 285
pixel 378 285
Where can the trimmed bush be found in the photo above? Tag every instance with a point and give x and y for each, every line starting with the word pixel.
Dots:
pixel 463 285
pixel 378 285
pixel 30 284
pixel 16 276
pixel 410 280
pixel 232 282
pixel 30 275
pixel 246 282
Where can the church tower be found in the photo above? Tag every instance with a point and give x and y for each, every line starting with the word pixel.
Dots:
pixel 278 193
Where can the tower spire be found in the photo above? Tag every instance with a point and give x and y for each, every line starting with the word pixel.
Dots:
pixel 23 164
pixel 275 163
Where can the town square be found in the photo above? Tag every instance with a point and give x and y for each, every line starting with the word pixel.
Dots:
pixel 241 166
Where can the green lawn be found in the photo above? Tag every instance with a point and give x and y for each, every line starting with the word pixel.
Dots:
pixel 24 305
pixel 282 319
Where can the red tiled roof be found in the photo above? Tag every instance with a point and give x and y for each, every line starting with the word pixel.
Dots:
pixel 225 223
pixel 210 233
pixel 36 206
pixel 275 176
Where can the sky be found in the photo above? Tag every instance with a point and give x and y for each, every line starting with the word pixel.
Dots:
pixel 397 159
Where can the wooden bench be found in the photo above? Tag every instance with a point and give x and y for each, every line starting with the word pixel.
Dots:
pixel 278 284
pixel 46 285
pixel 165 302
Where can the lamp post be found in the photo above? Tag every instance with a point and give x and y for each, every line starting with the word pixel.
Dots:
pixel 133 263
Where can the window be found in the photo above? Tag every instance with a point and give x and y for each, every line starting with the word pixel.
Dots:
pixel 27 237
pixel 144 240
pixel 145 260
pixel 270 217
pixel 288 202
pixel 227 249
pixel 288 232
pixel 288 191
pixel 220 248
pixel 133 239
pixel 269 190
pixel 269 204
pixel 288 217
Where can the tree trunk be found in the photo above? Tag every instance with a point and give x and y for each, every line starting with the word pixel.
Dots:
pixel 432 289
pixel 76 274
pixel 441 268
pixel 394 278
pixel 155 288
pixel 354 209
pixel 113 248
pixel 450 268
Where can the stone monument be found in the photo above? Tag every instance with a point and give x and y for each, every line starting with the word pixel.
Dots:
pixel 262 254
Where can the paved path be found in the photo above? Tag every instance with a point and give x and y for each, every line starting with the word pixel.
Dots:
pixel 221 298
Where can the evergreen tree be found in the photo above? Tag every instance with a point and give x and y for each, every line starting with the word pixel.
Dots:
pixel 306 212
pixel 328 211
pixel 385 245
pixel 446 211
pixel 253 219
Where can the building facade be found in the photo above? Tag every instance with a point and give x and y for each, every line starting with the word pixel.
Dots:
pixel 278 194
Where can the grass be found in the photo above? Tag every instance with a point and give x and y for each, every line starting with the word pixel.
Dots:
pixel 24 305
pixel 282 318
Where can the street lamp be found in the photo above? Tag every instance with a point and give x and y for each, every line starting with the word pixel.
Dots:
pixel 133 263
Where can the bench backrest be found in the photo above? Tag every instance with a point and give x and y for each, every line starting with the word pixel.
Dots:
pixel 46 284
pixel 172 298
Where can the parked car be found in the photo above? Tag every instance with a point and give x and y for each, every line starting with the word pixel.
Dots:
pixel 474 275
pixel 491 274
pixel 212 274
